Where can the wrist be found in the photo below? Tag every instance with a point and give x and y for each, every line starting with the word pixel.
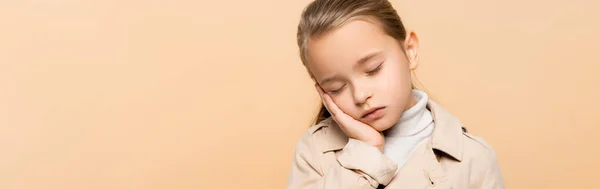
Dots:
pixel 377 143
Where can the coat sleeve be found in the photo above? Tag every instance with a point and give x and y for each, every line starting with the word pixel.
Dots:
pixel 358 166
pixel 492 178
pixel 488 173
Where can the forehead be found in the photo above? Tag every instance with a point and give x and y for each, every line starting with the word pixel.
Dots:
pixel 342 47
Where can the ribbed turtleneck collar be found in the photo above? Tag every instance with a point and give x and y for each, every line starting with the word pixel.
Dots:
pixel 413 120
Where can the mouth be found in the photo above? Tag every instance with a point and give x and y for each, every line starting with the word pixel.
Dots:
pixel 374 113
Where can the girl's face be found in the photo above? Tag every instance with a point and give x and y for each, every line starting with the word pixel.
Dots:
pixel 365 70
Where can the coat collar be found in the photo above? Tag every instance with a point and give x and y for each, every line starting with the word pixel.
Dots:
pixel 448 131
pixel 446 136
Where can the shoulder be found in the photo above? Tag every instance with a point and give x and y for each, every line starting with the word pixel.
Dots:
pixel 324 136
pixel 477 146
pixel 480 154
pixel 319 127
pixel 482 162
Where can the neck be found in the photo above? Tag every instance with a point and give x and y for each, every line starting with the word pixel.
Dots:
pixel 412 100
pixel 414 119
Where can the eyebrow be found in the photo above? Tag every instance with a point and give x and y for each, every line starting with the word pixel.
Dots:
pixel 360 61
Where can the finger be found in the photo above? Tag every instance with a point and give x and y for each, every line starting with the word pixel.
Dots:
pixel 353 127
pixel 319 89
pixel 330 105
pixel 324 98
pixel 321 94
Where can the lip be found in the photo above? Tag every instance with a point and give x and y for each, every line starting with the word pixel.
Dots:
pixel 374 113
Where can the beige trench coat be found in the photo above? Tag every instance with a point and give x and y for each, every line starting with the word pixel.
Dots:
pixel 325 158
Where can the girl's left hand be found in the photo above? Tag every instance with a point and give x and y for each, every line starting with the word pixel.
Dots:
pixel 352 127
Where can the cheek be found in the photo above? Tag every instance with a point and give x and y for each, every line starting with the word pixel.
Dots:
pixel 395 79
pixel 395 83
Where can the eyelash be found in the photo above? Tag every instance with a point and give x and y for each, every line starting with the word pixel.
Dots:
pixel 337 90
pixel 375 70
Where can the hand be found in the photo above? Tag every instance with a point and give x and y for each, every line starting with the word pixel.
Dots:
pixel 352 127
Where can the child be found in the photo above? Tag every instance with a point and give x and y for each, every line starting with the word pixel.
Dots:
pixel 375 129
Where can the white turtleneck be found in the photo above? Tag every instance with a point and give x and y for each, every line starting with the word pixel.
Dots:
pixel 414 127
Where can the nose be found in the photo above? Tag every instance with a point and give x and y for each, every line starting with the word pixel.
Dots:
pixel 361 93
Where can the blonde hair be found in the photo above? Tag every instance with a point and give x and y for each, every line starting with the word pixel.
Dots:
pixel 322 16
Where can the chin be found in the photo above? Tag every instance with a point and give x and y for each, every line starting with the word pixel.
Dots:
pixel 382 124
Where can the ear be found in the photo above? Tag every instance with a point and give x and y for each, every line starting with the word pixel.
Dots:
pixel 411 44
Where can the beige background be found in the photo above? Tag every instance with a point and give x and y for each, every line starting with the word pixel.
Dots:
pixel 211 94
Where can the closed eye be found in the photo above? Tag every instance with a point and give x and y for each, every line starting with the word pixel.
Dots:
pixel 374 71
pixel 336 91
